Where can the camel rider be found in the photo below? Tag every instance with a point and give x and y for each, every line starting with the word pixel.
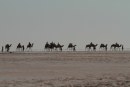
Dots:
pixel 58 44
pixel 29 44
pixel 91 43
pixel 19 44
pixel 46 42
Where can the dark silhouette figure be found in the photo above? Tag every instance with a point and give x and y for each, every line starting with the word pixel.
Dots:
pixel 90 46
pixel 103 47
pixel 29 46
pixel 23 48
pixel 115 46
pixel 58 46
pixel 47 46
pixel 2 50
pixel 7 47
pixel 50 47
pixel 94 47
pixel 122 47
pixel 71 47
pixel 53 47
pixel 19 47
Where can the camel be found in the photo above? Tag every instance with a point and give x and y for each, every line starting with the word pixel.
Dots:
pixel 94 47
pixel 52 46
pixel 118 47
pixel 71 47
pixel 29 46
pixel 20 47
pixel 89 46
pixel 115 46
pixel 7 47
pixel 59 46
pixel 103 47
pixel 47 46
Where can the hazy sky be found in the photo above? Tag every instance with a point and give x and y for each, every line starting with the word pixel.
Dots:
pixel 64 21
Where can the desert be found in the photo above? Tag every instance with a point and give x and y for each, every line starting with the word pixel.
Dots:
pixel 65 69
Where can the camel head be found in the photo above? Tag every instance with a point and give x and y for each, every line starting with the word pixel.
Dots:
pixel 75 45
pixel 10 45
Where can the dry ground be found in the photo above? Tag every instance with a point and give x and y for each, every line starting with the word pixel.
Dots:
pixel 65 69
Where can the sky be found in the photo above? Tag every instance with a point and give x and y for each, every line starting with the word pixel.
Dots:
pixel 64 21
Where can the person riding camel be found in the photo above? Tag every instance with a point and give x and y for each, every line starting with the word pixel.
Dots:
pixel 19 44
pixel 91 43
pixel 29 44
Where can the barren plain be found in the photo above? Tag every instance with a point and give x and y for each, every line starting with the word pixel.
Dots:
pixel 65 69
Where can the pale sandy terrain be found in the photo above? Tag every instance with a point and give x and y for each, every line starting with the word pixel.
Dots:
pixel 65 69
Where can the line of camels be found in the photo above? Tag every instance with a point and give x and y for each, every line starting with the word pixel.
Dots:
pixel 71 47
pixel 18 48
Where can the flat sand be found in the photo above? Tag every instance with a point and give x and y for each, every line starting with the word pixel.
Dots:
pixel 65 69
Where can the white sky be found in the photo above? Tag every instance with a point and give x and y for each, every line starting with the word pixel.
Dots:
pixel 64 21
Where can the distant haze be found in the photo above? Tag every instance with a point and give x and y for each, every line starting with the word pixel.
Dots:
pixel 64 21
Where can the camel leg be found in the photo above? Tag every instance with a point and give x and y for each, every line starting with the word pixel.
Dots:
pixel 7 49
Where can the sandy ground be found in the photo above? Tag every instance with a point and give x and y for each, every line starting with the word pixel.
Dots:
pixel 65 69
